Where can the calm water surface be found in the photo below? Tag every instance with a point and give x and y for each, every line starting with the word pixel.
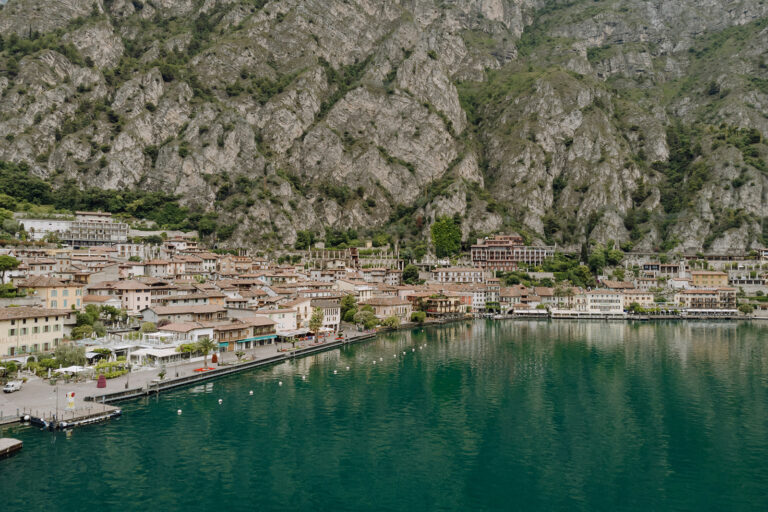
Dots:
pixel 487 416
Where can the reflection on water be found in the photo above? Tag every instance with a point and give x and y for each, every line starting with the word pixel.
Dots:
pixel 496 415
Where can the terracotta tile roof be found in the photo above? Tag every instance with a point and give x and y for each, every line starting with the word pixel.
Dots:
pixel 386 301
pixel 31 312
pixel 180 310
pixel 41 282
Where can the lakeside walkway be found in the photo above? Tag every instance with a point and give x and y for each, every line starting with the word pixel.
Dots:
pixel 39 398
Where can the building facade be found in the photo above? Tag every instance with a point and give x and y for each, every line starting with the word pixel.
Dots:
pixel 458 275
pixel 708 278
pixel 32 330
pixel 504 253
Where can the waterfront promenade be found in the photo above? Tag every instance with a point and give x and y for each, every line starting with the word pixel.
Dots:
pixel 39 398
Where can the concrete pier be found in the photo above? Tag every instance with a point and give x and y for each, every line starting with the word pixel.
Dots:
pixel 94 413
pixel 9 446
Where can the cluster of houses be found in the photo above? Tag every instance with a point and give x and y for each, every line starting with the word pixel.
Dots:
pixel 242 302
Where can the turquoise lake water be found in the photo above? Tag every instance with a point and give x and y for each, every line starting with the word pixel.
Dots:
pixel 489 415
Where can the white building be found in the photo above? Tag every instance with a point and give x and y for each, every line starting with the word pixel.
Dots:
pixel 37 229
pixel 604 302
pixel 331 313
pixel 284 318
pixel 458 275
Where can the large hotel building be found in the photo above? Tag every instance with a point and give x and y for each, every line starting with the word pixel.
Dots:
pixel 504 252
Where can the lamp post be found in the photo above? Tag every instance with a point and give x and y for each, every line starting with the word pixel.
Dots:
pixel 128 365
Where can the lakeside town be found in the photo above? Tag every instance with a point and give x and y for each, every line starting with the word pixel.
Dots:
pixel 103 304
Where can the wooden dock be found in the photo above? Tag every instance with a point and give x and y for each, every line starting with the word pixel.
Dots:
pixel 9 446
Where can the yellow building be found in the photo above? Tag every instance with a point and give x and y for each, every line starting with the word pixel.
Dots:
pixel 31 330
pixel 53 292
pixel 642 298
pixel 708 278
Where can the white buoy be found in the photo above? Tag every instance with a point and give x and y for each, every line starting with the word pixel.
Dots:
pixel 413 350
pixel 347 367
pixel 403 352
pixel 381 359
pixel 26 418
pixel 303 377
pixel 178 412
pixel 250 392
pixel 220 400
pixel 374 361
pixel 394 355
pixel 334 372
pixel 280 383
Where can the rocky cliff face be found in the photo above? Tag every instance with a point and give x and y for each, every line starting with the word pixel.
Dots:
pixel 635 121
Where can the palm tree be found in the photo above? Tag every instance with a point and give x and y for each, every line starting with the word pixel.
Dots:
pixel 206 345
pixel 316 321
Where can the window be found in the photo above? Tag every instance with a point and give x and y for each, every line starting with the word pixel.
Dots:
pixel 54 293
pixel 35 330
pixel 65 303
pixel 65 293
pixel 46 328
pixel 23 349
pixel 23 331
pixel 56 327
pixel 11 332
pixel 54 304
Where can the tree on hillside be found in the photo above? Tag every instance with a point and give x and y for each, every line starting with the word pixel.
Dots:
pixel 88 316
pixel 446 237
pixel 411 274
pixel 148 327
pixel 7 263
pixel 82 331
pixel 98 328
pixel 304 240
pixel 348 303
pixel 69 355
pixel 316 321
pixel 391 321
pixel 112 313
pixel 366 318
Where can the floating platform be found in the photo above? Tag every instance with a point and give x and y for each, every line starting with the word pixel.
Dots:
pixel 76 421
pixel 9 446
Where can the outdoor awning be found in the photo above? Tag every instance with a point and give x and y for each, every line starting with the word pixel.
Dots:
pixel 71 369
pixel 258 338
pixel 295 332
pixel 155 352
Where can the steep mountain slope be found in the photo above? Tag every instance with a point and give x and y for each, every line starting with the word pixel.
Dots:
pixel 635 121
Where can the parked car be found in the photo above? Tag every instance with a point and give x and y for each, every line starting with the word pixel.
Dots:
pixel 12 386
